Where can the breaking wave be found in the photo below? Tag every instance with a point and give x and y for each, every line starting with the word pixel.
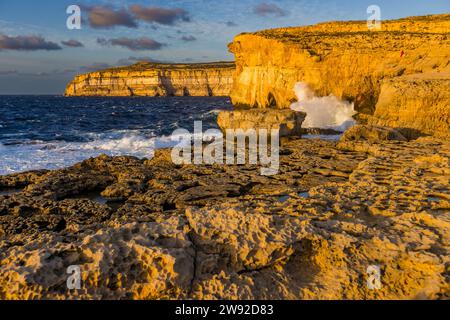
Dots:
pixel 323 112
pixel 57 154
pixel 52 132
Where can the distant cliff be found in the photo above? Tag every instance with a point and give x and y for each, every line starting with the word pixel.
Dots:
pixel 353 63
pixel 156 79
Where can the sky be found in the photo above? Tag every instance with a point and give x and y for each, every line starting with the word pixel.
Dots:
pixel 39 54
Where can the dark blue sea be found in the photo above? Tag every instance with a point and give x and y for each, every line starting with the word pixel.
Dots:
pixel 49 132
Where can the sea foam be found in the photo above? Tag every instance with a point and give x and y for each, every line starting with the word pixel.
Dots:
pixel 323 112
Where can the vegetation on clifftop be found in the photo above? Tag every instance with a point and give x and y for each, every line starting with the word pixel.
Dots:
pixel 145 66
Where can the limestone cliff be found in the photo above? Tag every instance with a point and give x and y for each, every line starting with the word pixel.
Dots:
pixel 347 60
pixel 417 103
pixel 155 79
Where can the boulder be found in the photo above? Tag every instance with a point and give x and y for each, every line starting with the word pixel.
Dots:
pixel 289 122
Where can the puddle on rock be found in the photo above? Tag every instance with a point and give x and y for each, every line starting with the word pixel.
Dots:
pixel 93 196
pixel 303 195
pixel 7 192
pixel 283 198
pixel 97 197
pixel 434 199
pixel 328 137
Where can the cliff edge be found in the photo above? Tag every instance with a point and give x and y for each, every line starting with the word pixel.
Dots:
pixel 156 79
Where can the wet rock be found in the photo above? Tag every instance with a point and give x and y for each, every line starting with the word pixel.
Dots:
pixel 20 180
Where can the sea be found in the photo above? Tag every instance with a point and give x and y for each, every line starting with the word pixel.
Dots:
pixel 51 132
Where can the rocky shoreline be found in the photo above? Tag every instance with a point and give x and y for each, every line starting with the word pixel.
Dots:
pixel 149 229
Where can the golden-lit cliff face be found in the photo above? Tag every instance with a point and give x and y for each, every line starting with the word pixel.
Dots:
pixel 340 58
pixel 151 79
pixel 415 103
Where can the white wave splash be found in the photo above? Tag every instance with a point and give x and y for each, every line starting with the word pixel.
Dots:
pixel 323 112
pixel 214 111
pixel 59 154
pixel 132 144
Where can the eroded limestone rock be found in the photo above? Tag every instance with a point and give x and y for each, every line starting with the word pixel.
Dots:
pixel 156 79
pixel 288 122
pixel 224 231
pixel 372 133
pixel 417 104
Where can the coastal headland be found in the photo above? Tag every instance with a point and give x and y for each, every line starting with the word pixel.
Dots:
pixel 156 79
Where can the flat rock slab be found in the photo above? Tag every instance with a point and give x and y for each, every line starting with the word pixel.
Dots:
pixel 288 122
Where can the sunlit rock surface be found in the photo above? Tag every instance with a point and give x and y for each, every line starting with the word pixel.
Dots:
pixel 226 232
pixel 371 133
pixel 400 74
pixel 156 79
pixel 418 103
pixel 287 122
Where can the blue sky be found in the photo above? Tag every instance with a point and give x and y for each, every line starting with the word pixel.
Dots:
pixel 198 30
